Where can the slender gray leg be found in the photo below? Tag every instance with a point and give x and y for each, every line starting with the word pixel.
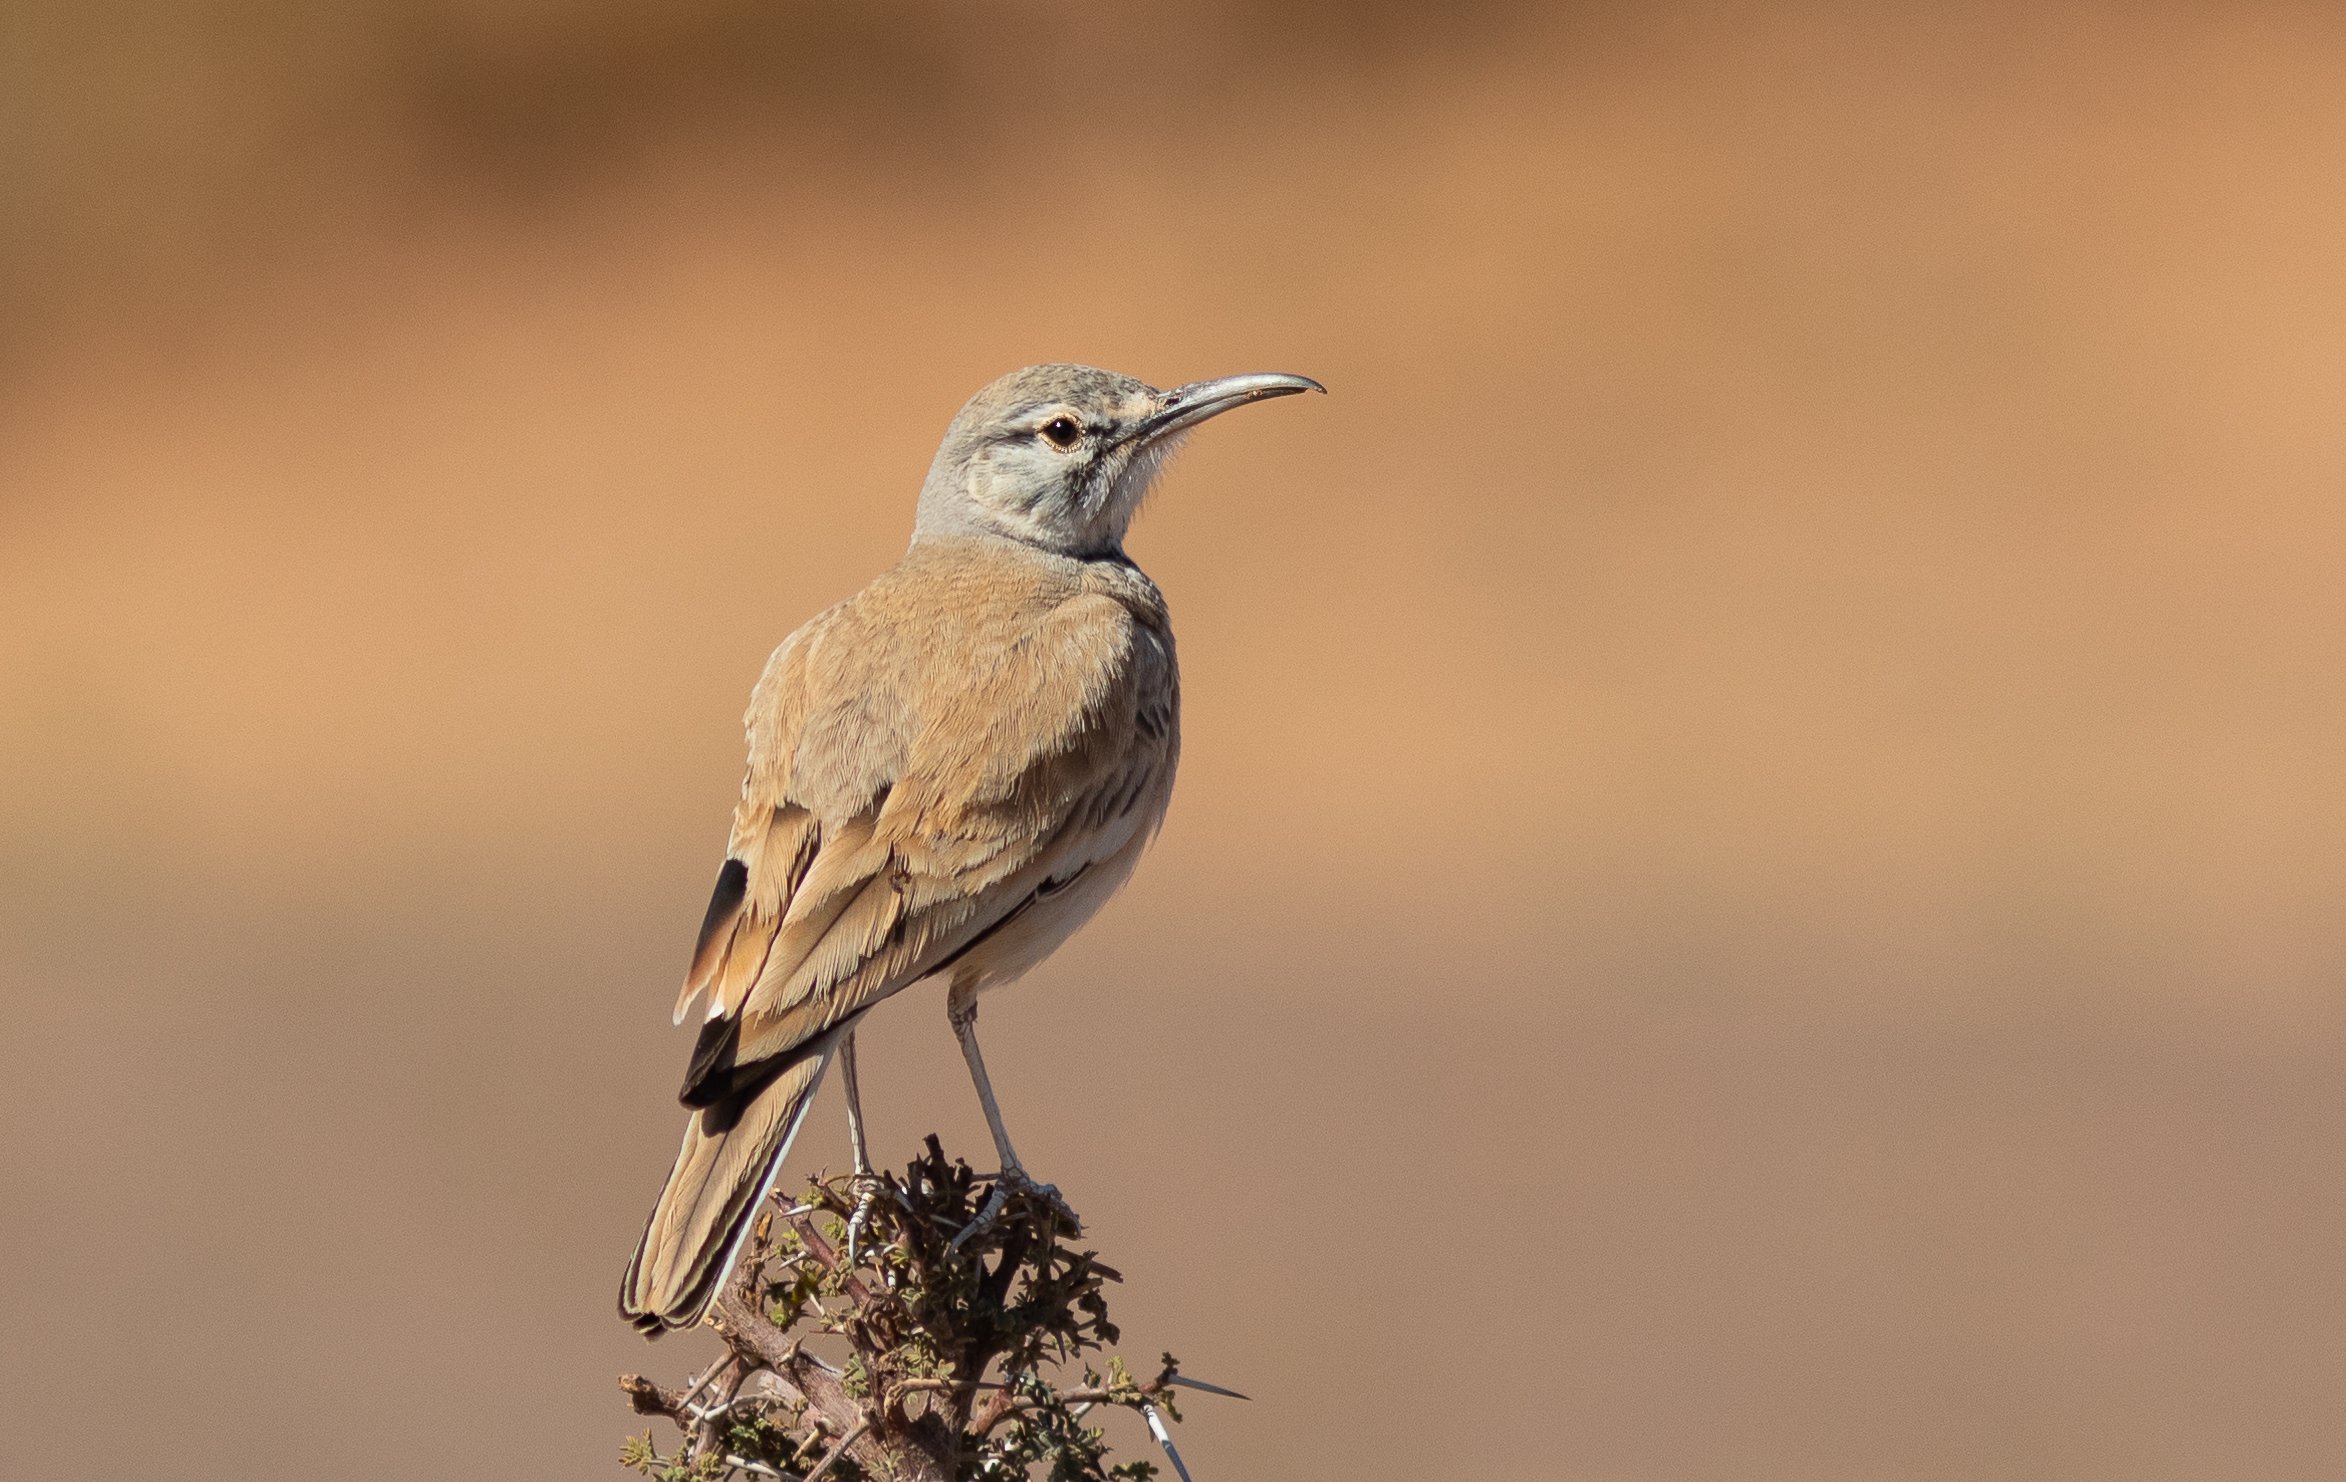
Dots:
pixel 961 1009
pixel 867 1182
pixel 855 1137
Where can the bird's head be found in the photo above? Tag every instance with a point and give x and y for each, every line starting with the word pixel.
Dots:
pixel 1060 456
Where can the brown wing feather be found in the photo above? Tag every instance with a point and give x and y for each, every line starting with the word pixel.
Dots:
pixel 758 880
pixel 903 798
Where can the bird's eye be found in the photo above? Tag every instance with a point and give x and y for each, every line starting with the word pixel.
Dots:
pixel 1061 432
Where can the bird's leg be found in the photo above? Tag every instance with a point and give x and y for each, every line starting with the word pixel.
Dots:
pixel 867 1184
pixel 855 1138
pixel 961 1009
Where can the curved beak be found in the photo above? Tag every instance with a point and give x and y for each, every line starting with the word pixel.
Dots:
pixel 1184 407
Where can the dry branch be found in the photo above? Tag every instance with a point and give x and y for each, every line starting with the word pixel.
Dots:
pixel 975 1343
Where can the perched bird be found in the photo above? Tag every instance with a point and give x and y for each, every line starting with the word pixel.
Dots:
pixel 949 772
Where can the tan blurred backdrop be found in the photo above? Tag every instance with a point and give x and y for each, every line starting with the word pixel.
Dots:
pixel 1756 890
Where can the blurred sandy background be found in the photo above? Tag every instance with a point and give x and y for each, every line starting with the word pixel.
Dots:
pixel 1756 890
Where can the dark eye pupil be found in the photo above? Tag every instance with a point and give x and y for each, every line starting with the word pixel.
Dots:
pixel 1062 431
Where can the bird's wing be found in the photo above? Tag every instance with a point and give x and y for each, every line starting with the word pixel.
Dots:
pixel 894 814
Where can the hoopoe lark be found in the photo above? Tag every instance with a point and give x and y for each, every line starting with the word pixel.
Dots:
pixel 949 772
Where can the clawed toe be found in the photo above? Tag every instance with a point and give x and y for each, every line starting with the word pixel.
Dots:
pixel 1049 1194
pixel 868 1188
pixel 1015 1177
pixel 985 1216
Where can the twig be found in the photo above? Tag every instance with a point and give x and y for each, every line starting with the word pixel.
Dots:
pixel 1091 1396
pixel 839 1450
pixel 997 1409
pixel 706 1375
pixel 648 1398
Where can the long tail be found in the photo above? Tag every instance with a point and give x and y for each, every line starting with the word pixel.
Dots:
pixel 730 1155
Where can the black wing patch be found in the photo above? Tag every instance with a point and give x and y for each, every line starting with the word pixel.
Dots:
pixel 717 1083
pixel 724 904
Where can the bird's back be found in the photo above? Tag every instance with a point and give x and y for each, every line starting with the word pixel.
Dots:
pixel 981 722
pixel 957 671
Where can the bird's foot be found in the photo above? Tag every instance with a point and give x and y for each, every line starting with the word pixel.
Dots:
pixel 1049 1194
pixel 868 1186
pixel 1015 1179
